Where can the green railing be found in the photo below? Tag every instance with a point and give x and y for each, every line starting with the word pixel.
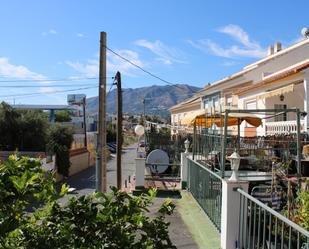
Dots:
pixel 206 188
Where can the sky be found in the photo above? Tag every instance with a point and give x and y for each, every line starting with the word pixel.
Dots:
pixel 50 48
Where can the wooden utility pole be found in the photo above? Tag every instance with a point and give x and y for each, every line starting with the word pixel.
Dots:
pixel 85 127
pixel 101 139
pixel 119 130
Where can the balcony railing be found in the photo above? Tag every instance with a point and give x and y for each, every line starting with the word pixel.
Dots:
pixel 283 127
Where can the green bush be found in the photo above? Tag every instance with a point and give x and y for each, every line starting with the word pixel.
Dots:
pixel 60 139
pixel 22 181
pixel 63 116
pixel 115 220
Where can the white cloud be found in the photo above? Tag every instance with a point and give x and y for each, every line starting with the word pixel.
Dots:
pixel 90 69
pixel 240 35
pixel 17 71
pixel 49 32
pixel 80 35
pixel 166 54
pixel 114 64
pixel 248 47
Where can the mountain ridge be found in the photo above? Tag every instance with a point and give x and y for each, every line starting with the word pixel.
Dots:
pixel 158 99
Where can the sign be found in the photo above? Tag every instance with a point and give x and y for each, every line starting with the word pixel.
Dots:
pixel 76 99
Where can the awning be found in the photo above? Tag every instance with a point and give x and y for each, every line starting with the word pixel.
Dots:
pixel 277 92
pixel 233 119
pixel 192 115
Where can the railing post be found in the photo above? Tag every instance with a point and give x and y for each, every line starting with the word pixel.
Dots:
pixel 140 172
pixel 224 143
pixel 231 211
pixel 184 170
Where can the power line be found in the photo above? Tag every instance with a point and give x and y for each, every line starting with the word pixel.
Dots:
pixel 49 85
pixel 144 70
pixel 50 80
pixel 52 92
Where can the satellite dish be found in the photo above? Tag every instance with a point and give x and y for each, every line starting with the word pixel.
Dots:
pixel 158 161
pixel 305 32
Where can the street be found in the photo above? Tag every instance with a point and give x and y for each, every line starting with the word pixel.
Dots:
pixel 84 182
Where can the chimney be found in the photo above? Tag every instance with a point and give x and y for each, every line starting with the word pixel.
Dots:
pixel 277 47
pixel 270 50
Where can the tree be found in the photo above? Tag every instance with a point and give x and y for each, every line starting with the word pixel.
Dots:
pixel 111 134
pixel 63 116
pixel 24 130
pixel 60 139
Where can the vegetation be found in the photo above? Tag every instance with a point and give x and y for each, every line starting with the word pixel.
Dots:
pixel 111 134
pixel 63 116
pixel 60 139
pixel 22 181
pixel 115 220
pixel 22 130
pixel 300 213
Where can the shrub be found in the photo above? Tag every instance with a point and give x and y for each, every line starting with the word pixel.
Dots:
pixel 60 139
pixel 115 220
pixel 22 181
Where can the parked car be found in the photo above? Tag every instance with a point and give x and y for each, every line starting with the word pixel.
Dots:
pixel 141 144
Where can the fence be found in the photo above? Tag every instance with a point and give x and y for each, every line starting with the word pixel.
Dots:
pixel 258 153
pixel 263 228
pixel 206 188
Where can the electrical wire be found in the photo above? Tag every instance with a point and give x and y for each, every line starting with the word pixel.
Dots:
pixel 144 70
pixel 48 80
pixel 52 92
pixel 49 85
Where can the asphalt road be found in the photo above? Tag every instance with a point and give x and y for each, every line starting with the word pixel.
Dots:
pixel 84 182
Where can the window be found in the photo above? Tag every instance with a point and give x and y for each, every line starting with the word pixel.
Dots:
pixel 251 105
pixel 229 100
pixel 283 116
pixel 211 101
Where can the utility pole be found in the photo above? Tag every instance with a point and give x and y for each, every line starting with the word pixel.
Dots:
pixel 101 141
pixel 119 130
pixel 85 127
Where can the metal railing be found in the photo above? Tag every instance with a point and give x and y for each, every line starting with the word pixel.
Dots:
pixel 283 127
pixel 206 188
pixel 261 227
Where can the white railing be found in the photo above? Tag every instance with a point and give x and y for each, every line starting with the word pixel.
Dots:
pixel 283 127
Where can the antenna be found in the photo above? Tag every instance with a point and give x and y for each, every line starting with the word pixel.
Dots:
pixel 305 32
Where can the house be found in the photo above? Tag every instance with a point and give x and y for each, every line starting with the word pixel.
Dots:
pixel 182 110
pixel 278 81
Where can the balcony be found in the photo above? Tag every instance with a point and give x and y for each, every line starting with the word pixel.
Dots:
pixel 283 127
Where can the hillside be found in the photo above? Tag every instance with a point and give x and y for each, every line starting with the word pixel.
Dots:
pixel 157 99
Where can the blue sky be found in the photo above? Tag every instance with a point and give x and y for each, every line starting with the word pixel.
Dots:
pixel 192 42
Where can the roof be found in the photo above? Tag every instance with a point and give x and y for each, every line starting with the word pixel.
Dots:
pixel 191 100
pixel 287 72
pixel 254 65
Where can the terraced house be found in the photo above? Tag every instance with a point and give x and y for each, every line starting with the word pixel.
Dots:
pixel 278 81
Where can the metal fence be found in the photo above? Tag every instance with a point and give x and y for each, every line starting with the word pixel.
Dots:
pixel 206 188
pixel 258 153
pixel 261 227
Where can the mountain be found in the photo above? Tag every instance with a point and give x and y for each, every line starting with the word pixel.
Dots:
pixel 158 99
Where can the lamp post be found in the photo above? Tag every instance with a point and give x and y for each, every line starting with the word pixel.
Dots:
pixel 235 162
pixel 187 144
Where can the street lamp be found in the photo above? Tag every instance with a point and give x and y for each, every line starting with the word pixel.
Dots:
pixel 235 162
pixel 187 144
